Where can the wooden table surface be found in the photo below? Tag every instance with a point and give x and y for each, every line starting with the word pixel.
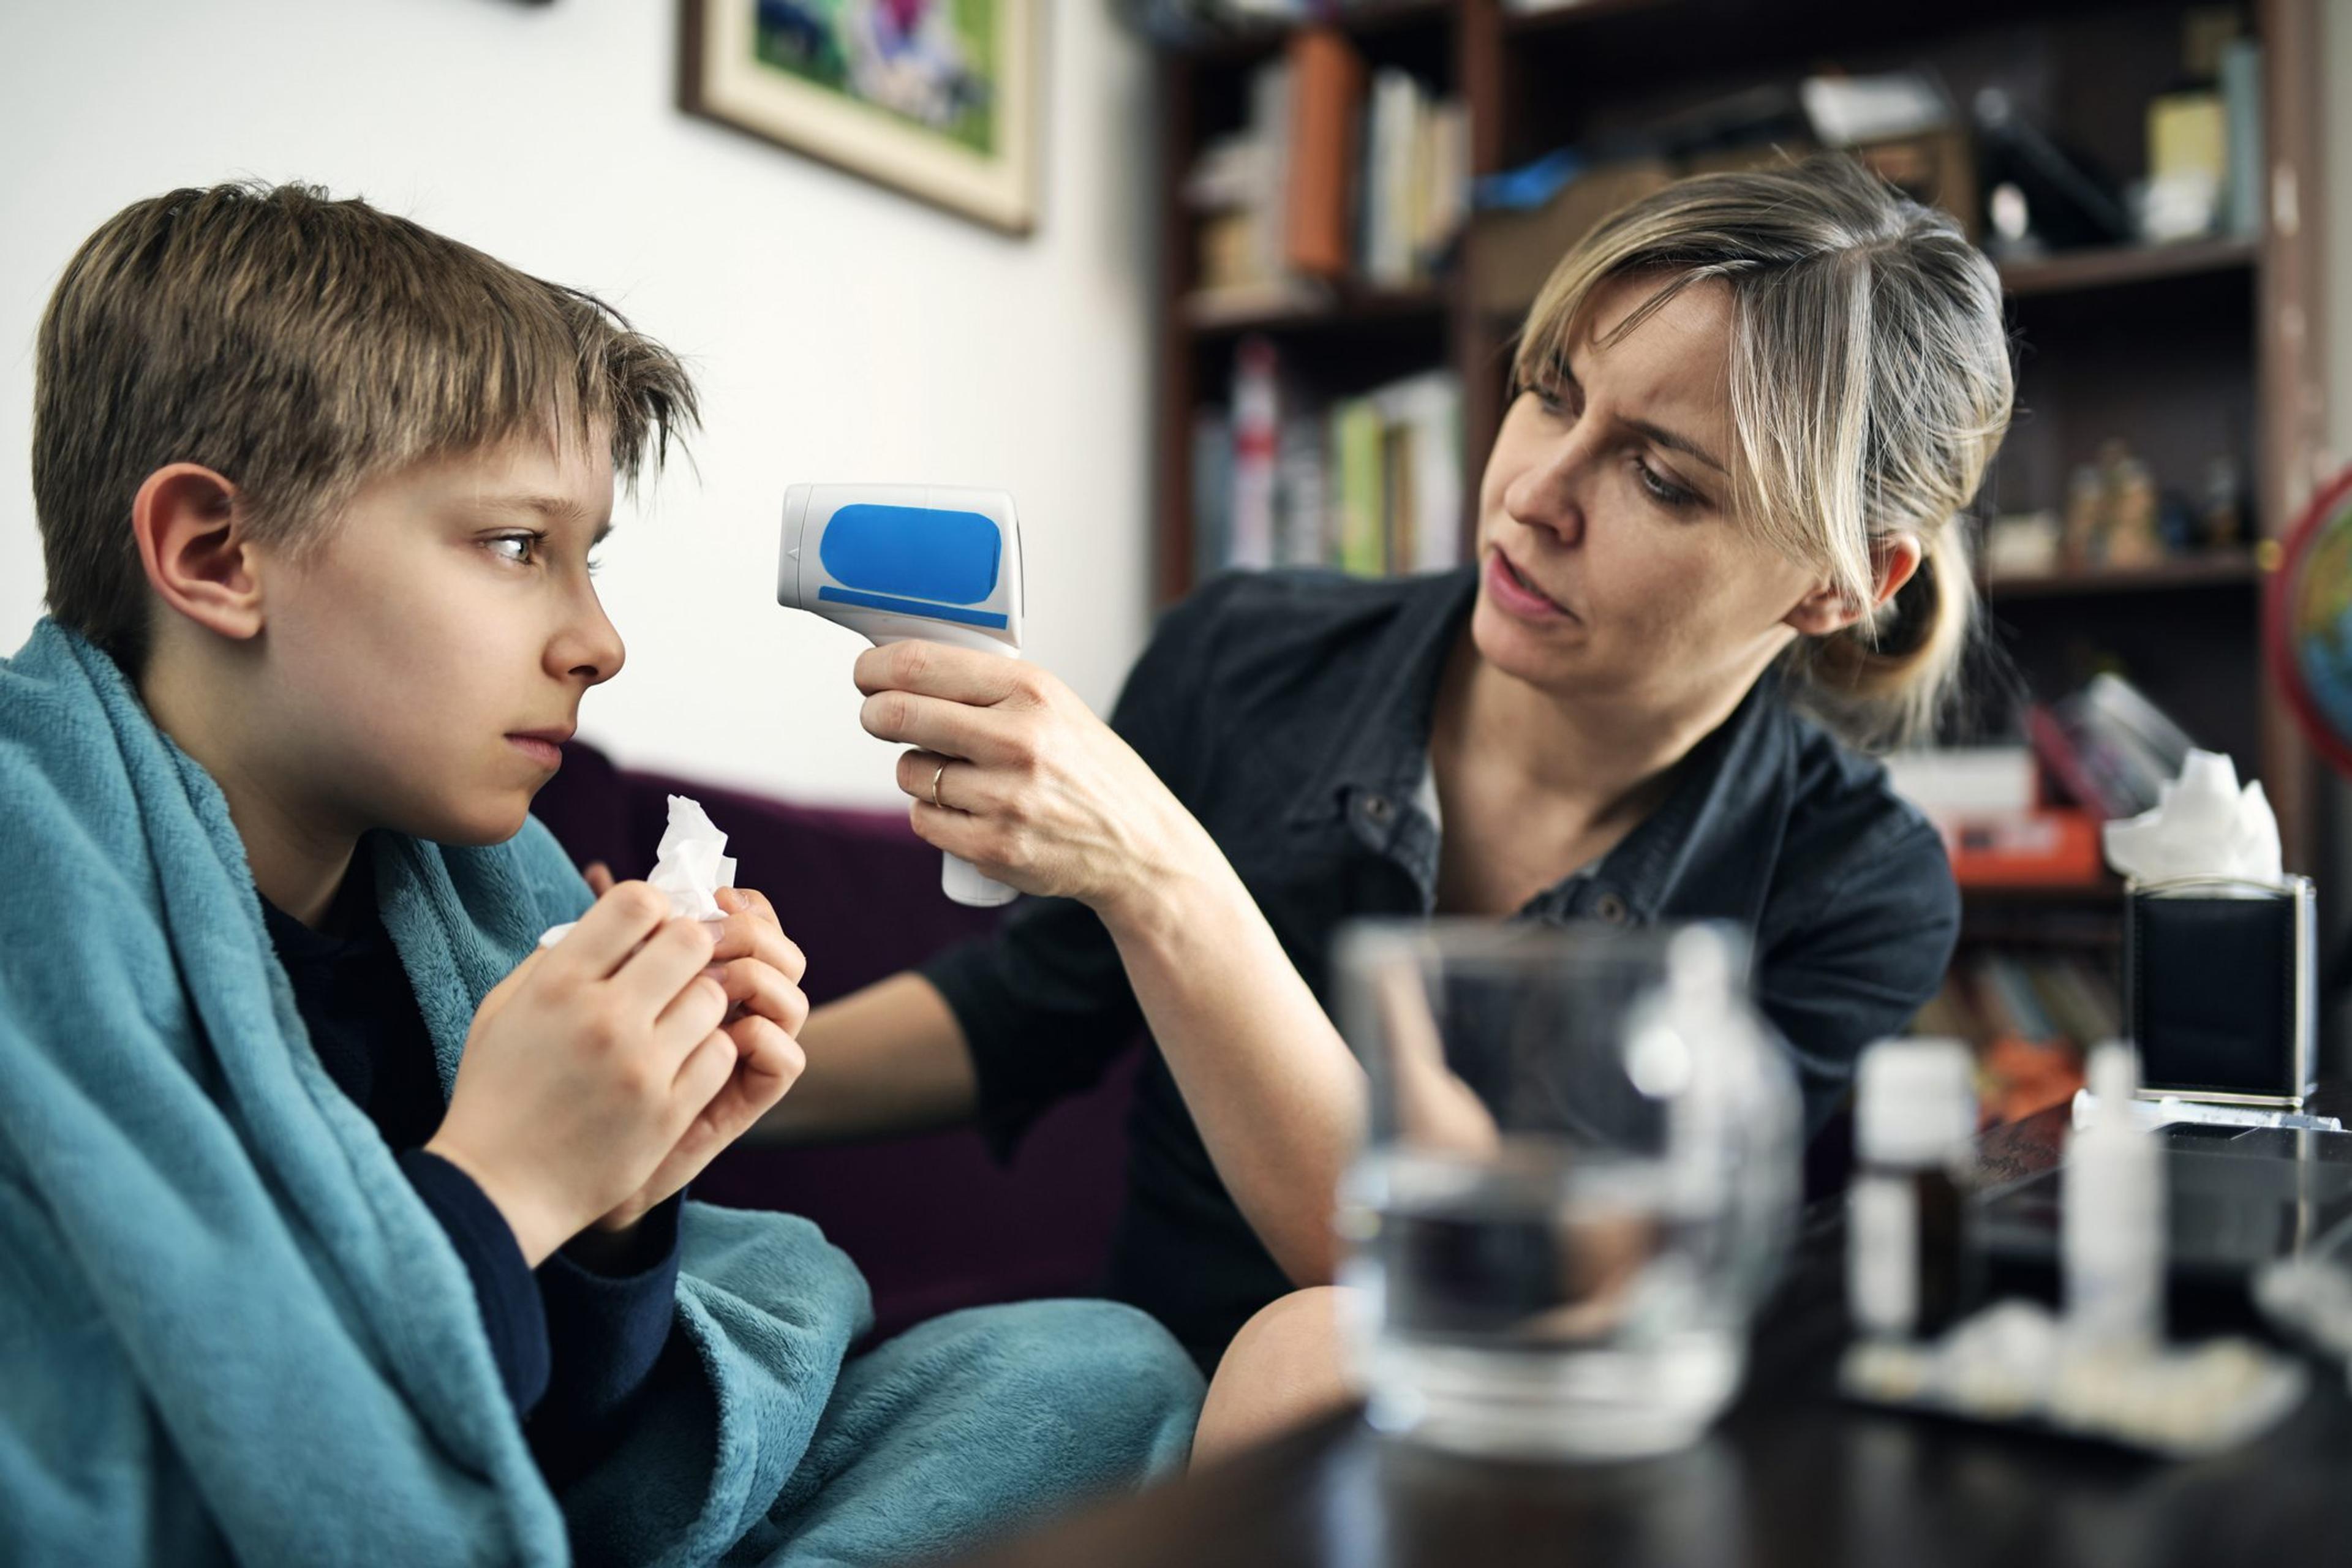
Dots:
pixel 1792 1476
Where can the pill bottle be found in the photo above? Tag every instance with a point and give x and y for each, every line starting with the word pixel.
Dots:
pixel 1908 1269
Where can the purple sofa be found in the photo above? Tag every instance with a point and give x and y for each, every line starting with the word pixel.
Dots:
pixel 932 1219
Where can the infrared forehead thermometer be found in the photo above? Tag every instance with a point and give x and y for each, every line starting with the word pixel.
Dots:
pixel 896 562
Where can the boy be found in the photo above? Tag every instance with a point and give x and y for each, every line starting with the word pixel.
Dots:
pixel 336 1223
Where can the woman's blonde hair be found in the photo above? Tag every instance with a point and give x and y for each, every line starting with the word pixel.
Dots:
pixel 1870 385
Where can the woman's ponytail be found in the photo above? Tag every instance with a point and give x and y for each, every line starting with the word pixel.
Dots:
pixel 1886 680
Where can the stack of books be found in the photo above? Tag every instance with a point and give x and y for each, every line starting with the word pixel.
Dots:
pixel 2029 815
pixel 2110 748
pixel 1341 174
pixel 1998 828
pixel 1370 484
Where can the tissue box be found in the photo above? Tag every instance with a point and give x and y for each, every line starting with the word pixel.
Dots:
pixel 2218 988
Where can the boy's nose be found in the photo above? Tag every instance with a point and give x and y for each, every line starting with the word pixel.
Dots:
pixel 591 648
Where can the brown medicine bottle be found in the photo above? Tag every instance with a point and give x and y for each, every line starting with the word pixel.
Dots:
pixel 1907 1263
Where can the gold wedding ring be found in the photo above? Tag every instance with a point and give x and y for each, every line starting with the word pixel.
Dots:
pixel 936 804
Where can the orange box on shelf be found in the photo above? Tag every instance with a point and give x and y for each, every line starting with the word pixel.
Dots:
pixel 2053 848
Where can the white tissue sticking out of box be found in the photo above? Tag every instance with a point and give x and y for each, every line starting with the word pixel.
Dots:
pixel 2204 826
pixel 690 865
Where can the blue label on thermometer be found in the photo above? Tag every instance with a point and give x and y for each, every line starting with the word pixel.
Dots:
pixel 923 607
pixel 910 552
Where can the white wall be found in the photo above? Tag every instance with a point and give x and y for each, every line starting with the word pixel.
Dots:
pixel 840 331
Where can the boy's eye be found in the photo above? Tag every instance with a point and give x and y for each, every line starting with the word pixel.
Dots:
pixel 522 549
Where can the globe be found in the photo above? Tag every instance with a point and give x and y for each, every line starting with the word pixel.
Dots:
pixel 2307 622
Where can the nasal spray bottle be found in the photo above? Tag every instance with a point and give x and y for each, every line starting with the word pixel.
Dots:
pixel 898 562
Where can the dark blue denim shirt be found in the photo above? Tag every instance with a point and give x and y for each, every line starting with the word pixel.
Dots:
pixel 1291 713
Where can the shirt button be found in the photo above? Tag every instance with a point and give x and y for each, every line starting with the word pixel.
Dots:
pixel 1611 908
pixel 1379 808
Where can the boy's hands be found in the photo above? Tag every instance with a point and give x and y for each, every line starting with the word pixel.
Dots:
pixel 606 1072
pixel 760 970
pixel 585 1067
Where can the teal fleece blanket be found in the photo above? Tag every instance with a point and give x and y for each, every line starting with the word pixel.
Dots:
pixel 229 1329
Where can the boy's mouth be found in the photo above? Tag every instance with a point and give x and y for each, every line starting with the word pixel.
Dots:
pixel 544 747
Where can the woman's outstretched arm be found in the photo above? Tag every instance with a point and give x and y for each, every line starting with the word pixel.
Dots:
pixel 887 1059
pixel 1039 793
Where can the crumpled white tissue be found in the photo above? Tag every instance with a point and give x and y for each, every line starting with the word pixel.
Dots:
pixel 2204 826
pixel 690 865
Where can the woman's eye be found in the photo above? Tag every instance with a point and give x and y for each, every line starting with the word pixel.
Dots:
pixel 522 549
pixel 1663 490
pixel 1552 400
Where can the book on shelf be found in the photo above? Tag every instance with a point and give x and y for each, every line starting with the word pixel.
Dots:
pixel 1998 830
pixel 1256 435
pixel 1341 173
pixel 2030 1016
pixel 1370 484
pixel 1327 84
pixel 2050 846
pixel 2108 746
pixel 1212 490
pixel 1408 141
pixel 2205 143
pixel 1964 781
pixel 2245 191
pixel 2047 998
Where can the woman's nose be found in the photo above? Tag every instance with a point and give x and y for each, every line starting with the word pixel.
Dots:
pixel 1549 495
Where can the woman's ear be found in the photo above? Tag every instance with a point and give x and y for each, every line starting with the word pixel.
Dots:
pixel 193 544
pixel 1895 558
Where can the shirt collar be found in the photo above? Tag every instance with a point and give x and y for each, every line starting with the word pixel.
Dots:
pixel 1380 744
pixel 1719 823
pixel 1720 826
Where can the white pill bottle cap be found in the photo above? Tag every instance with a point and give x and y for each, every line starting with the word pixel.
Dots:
pixel 1914 1102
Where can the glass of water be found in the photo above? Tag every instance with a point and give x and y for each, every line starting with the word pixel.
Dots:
pixel 1581 1171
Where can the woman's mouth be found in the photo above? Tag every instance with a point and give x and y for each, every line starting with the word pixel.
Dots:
pixel 1516 594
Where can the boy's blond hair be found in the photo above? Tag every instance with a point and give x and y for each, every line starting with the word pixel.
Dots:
pixel 300 346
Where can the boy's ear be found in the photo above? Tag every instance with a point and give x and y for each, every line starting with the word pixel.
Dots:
pixel 193 544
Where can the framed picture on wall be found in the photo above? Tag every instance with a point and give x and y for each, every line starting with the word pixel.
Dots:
pixel 934 98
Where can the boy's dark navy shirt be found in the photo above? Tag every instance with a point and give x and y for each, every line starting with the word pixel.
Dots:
pixel 1291 713
pixel 574 1345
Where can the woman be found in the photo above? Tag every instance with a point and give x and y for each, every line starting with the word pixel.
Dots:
pixel 1719 516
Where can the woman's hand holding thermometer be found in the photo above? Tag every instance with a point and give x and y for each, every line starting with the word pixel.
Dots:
pixel 1036 791
pixel 900 561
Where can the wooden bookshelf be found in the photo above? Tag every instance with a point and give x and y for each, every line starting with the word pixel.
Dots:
pixel 1364 19
pixel 2218 569
pixel 2071 271
pixel 2187 350
pixel 1211 313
